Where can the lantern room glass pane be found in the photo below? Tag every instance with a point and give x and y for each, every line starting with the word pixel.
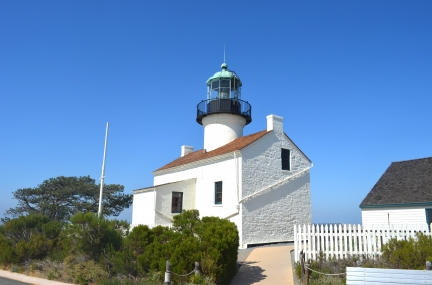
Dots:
pixel 215 85
pixel 224 89
pixel 225 83
pixel 236 94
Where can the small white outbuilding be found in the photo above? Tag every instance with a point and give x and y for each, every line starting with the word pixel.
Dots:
pixel 261 181
pixel 402 195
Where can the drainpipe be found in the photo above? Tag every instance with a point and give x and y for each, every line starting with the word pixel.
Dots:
pixel 237 177
pixel 237 188
pixel 154 199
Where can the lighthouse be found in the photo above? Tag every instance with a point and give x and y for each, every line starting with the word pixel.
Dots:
pixel 223 114
pixel 258 181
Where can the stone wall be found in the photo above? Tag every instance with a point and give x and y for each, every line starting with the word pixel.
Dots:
pixel 270 215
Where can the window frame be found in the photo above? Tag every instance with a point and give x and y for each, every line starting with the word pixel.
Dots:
pixel 175 210
pixel 218 190
pixel 428 221
pixel 287 165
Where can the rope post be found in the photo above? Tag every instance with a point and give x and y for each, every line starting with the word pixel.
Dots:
pixel 306 277
pixel 168 273
pixel 428 265
pixel 197 268
pixel 302 257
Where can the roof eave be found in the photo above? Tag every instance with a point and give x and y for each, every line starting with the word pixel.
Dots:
pixel 196 163
pixel 414 204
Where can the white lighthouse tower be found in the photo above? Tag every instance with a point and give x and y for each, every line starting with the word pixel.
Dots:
pixel 223 114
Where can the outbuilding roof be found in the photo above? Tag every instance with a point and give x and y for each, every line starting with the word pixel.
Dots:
pixel 404 183
pixel 236 144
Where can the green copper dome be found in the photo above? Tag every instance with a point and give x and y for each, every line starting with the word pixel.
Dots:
pixel 225 73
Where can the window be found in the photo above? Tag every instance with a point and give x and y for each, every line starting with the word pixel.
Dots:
pixel 286 157
pixel 429 216
pixel 218 192
pixel 177 202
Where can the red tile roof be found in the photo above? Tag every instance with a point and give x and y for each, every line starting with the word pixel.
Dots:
pixel 236 144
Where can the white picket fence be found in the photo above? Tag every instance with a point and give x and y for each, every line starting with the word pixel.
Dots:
pixel 339 241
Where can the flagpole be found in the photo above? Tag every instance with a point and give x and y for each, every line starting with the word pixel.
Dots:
pixel 103 172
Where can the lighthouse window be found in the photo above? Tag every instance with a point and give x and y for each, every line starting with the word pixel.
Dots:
pixel 218 192
pixel 286 159
pixel 177 202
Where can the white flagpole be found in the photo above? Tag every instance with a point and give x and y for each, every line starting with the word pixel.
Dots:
pixel 103 173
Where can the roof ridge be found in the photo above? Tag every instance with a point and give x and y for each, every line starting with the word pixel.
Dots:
pixel 412 159
pixel 198 155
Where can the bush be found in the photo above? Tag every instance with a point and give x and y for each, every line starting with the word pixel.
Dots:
pixel 408 254
pixel 219 242
pixel 28 237
pixel 211 241
pixel 84 271
pixel 91 235
pixel 99 250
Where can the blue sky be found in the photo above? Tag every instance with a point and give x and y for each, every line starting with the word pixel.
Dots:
pixel 352 79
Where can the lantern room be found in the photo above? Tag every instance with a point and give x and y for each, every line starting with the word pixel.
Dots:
pixel 224 96
pixel 224 84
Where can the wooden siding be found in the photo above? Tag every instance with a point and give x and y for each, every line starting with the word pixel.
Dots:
pixel 405 215
pixel 377 276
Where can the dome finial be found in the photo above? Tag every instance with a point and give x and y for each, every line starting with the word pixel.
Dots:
pixel 224 66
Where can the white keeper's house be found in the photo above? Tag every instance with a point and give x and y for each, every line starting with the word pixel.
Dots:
pixel 261 181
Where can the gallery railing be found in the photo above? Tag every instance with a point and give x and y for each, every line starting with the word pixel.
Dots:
pixel 229 106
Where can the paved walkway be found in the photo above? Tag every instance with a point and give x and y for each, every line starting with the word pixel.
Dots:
pixel 266 265
pixel 29 279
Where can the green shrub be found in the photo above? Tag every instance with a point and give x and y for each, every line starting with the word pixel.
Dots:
pixel 211 241
pixel 219 241
pixel 28 237
pixel 83 271
pixel 124 261
pixel 91 235
pixel 408 254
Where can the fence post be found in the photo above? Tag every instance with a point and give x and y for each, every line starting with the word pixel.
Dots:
pixel 168 273
pixel 306 276
pixel 302 262
pixel 197 268
pixel 428 265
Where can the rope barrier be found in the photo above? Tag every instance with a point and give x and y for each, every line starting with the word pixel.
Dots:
pixel 183 275
pixel 328 274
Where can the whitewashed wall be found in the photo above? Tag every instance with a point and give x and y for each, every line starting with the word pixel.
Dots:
pixel 153 205
pixel 206 175
pixel 267 217
pixel 270 217
pixel 143 208
pixel 164 199
pixel 220 129
pixel 393 215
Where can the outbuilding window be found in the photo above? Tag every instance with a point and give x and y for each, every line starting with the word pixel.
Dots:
pixel 177 202
pixel 218 192
pixel 286 159
pixel 429 216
